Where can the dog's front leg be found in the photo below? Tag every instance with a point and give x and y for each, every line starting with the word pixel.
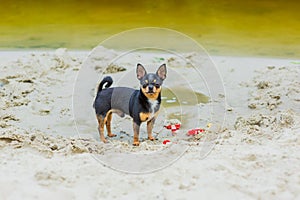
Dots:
pixel 150 125
pixel 136 132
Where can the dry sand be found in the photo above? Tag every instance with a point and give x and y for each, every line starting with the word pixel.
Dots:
pixel 256 154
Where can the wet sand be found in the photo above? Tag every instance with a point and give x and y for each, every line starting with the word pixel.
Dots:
pixel 42 155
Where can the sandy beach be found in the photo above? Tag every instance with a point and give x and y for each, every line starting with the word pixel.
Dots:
pixel 50 147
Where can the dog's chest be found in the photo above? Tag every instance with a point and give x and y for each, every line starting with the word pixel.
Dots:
pixel 153 110
pixel 153 105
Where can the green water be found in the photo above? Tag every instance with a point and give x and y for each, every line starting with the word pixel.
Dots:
pixel 178 98
pixel 187 97
pixel 229 27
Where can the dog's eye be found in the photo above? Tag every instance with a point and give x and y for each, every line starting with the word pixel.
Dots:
pixel 157 85
pixel 144 85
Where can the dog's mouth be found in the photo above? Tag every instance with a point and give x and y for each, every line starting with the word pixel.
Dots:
pixel 150 92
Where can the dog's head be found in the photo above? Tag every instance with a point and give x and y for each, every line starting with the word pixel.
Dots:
pixel 151 83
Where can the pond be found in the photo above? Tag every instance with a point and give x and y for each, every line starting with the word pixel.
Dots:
pixel 230 27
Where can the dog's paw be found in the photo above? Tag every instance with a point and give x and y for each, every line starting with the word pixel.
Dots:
pixel 136 143
pixel 111 135
pixel 104 140
pixel 151 138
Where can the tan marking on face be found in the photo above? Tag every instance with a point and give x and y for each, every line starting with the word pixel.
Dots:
pixel 146 89
pixel 154 89
pixel 158 89
pixel 154 81
pixel 152 96
pixel 146 81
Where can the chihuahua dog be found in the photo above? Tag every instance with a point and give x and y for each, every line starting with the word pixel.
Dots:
pixel 142 105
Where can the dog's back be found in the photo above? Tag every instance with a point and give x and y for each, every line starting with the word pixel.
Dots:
pixel 116 98
pixel 120 99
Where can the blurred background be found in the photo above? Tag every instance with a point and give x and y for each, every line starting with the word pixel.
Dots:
pixel 229 27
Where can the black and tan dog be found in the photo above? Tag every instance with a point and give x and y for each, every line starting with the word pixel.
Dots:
pixel 142 105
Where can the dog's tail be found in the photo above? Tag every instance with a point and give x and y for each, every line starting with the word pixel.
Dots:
pixel 107 81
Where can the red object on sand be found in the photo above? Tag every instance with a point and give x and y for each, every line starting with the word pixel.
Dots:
pixel 195 131
pixel 166 141
pixel 172 124
pixel 173 127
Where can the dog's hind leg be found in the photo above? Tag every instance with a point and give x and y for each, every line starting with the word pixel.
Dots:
pixel 101 128
pixel 108 124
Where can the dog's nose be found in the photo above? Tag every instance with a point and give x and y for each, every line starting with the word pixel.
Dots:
pixel 150 87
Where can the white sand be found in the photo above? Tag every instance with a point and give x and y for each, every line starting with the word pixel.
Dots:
pixel 41 157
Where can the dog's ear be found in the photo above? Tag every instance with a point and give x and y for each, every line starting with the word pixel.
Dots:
pixel 140 71
pixel 162 72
